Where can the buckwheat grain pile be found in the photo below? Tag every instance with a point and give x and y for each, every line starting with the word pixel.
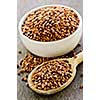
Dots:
pixel 50 24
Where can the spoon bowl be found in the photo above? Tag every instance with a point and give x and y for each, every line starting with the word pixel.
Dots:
pixel 73 61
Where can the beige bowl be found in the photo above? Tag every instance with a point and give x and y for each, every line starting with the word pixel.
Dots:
pixel 53 48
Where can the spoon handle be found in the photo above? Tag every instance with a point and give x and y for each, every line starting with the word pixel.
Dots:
pixel 79 57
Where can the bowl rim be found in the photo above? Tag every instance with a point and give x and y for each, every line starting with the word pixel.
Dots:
pixel 49 42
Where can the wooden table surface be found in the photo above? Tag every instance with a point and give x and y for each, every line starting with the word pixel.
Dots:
pixel 72 92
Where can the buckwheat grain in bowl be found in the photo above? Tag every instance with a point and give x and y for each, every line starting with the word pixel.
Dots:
pixel 51 30
pixel 50 24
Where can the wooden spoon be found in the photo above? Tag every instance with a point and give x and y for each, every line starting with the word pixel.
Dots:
pixel 74 61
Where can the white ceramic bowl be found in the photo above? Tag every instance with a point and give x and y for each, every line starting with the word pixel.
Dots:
pixel 53 48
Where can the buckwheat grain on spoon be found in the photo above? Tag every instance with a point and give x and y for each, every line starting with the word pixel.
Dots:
pixel 53 76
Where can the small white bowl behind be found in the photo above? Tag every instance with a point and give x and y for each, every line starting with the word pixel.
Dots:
pixel 53 48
